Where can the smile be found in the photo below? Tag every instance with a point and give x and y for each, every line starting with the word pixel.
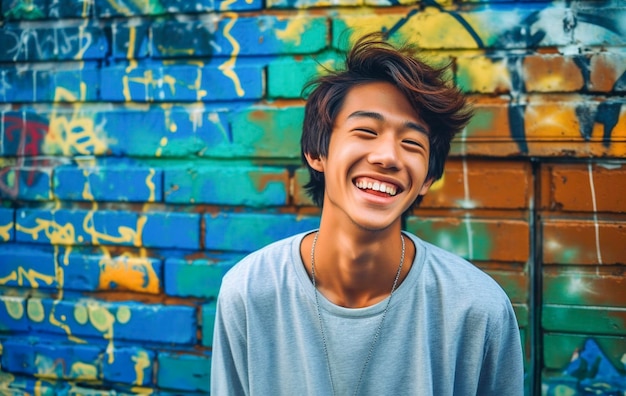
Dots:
pixel 373 185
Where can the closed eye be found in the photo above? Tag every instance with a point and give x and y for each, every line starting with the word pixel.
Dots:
pixel 413 143
pixel 366 131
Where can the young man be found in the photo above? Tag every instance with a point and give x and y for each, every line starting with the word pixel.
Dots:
pixel 360 307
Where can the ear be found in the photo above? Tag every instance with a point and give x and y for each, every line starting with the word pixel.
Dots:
pixel 314 162
pixel 426 186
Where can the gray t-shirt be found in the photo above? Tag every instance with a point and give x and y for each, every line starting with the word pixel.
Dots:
pixel 450 330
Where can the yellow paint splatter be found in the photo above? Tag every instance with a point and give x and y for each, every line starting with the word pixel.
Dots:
pixel 126 234
pixel 72 133
pixel 228 66
pixel 151 186
pixel 142 362
pixel 83 371
pixel 33 277
pixel 35 310
pixel 5 231
pixel 57 234
pixel 295 29
pixel 14 306
pixel 87 196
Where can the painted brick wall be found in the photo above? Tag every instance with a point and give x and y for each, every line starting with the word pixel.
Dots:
pixel 146 146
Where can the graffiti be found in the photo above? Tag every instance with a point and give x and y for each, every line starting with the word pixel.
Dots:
pixel 589 373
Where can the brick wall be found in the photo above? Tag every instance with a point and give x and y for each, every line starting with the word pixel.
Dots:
pixel 146 146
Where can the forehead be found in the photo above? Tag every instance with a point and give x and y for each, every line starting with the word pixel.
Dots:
pixel 378 97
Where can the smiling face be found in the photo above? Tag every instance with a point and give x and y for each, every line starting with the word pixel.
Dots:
pixel 377 158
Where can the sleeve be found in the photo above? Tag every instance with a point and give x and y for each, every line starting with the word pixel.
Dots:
pixel 502 372
pixel 229 363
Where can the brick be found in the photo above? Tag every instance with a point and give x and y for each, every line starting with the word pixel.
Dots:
pixel 476 239
pixel 106 9
pixel 62 43
pixel 129 365
pixel 484 74
pixel 545 126
pixel 287 76
pixel 583 288
pixel 130 40
pixel 303 4
pixel 16 10
pixel 60 84
pixel 586 32
pixel 81 227
pixel 587 319
pixel 19 384
pixel 95 272
pixel 300 197
pixel 177 132
pixel 606 70
pixel 126 183
pixel 200 278
pixel 577 187
pixel 7 225
pixel 126 320
pixel 583 242
pixel 26 182
pixel 474 183
pixel 515 284
pixel 57 361
pixel 260 35
pixel 434 28
pixel 268 131
pixel 560 349
pixel 188 83
pixel 208 312
pixel 13 314
pixel 227 185
pixel 184 371
pixel 245 232
pixel 27 266
pixel 553 73
pixel 158 230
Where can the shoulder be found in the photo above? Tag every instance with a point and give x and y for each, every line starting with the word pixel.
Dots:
pixel 263 267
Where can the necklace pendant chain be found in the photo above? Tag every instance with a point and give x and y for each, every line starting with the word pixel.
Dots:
pixel 378 328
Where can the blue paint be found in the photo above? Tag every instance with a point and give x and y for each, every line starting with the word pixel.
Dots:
pixel 172 230
pixel 195 278
pixel 227 185
pixel 184 371
pixel 247 232
pixel 34 261
pixel 122 366
pixel 8 322
pixel 146 323
pixel 6 219
pixel 114 183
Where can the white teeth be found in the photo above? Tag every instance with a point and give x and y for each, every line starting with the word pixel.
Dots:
pixel 377 186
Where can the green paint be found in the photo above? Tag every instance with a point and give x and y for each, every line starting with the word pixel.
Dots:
pixel 483 120
pixel 80 314
pixel 123 314
pixel 453 236
pixel 287 76
pixel 14 306
pixel 35 310
pixel 586 320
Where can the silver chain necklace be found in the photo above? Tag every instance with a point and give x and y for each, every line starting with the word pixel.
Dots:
pixel 380 325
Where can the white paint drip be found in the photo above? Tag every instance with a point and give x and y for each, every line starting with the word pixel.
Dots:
pixel 595 213
pixel 467 220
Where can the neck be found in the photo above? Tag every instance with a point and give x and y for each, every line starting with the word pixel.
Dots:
pixel 357 269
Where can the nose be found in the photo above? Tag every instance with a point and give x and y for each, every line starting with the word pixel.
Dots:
pixel 385 152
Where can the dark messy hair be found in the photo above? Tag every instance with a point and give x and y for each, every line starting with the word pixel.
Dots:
pixel 372 59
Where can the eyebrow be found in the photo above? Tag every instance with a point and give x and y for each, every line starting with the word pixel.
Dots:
pixel 379 117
